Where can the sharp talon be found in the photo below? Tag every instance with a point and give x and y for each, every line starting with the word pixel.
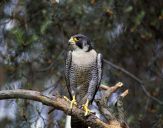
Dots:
pixel 86 109
pixel 72 102
pixel 66 98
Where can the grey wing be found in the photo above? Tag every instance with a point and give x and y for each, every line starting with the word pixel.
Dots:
pixel 99 65
pixel 99 68
pixel 67 71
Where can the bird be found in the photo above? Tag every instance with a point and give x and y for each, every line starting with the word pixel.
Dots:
pixel 83 73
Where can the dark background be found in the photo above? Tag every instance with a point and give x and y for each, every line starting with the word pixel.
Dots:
pixel 33 41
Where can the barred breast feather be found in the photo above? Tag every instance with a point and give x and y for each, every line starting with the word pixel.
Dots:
pixel 80 72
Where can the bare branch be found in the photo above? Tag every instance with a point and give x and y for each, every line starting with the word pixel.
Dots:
pixel 115 113
pixel 56 102
pixel 109 90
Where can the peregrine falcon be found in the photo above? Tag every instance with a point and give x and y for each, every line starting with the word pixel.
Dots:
pixel 83 74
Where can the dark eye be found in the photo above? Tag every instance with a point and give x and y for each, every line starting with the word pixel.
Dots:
pixel 77 38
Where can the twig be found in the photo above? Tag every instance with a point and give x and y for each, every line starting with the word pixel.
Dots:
pixel 124 71
pixel 141 83
pixel 109 90
pixel 115 113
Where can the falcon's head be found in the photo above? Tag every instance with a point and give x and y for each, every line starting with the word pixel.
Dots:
pixel 80 42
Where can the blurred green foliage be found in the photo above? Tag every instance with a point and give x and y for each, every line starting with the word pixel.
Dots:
pixel 33 40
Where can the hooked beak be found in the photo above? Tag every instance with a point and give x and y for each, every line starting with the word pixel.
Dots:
pixel 72 41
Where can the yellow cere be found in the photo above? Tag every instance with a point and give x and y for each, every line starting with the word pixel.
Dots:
pixel 75 39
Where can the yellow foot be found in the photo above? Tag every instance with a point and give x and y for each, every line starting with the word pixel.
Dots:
pixel 85 108
pixel 73 101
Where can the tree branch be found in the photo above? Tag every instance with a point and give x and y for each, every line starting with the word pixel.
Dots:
pixel 57 102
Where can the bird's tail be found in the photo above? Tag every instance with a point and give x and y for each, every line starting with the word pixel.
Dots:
pixel 75 123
